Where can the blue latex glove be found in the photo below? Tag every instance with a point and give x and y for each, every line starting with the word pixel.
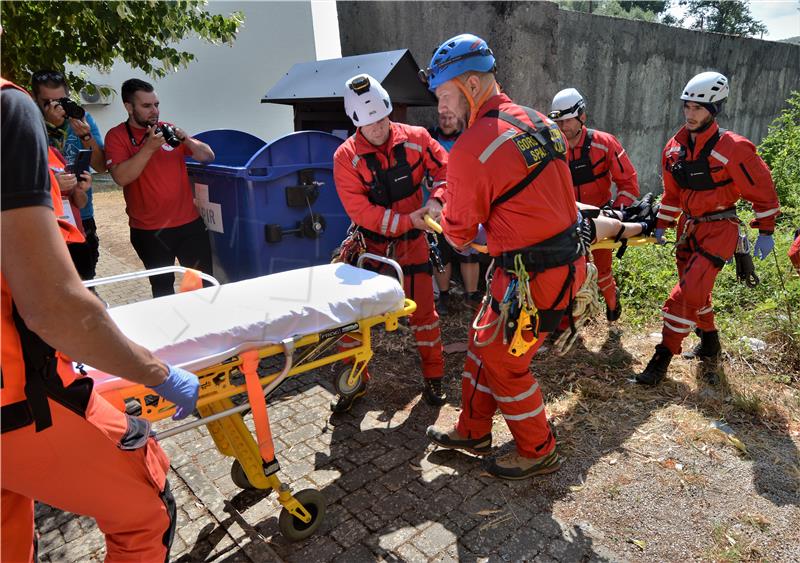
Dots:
pixel 764 245
pixel 182 388
pixel 659 234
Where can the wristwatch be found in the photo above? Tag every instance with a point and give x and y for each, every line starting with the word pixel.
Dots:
pixel 87 137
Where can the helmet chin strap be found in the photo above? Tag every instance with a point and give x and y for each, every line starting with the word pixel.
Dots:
pixel 475 105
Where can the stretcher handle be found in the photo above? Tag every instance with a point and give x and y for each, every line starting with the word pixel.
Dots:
pixel 388 261
pixel 437 228
pixel 146 274
pixel 288 353
pixel 611 245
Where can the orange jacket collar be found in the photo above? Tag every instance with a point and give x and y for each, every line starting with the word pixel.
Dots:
pixel 684 139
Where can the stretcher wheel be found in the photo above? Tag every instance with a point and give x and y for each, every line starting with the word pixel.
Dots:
pixel 343 388
pixel 294 529
pixel 239 477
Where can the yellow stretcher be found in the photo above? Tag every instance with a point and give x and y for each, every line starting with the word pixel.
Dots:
pixel 599 245
pixel 235 372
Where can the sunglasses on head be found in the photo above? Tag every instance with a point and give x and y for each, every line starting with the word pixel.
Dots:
pixel 48 76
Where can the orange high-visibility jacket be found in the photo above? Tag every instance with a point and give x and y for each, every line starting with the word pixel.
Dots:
pixel 607 161
pixel 736 170
pixel 353 177
pixel 489 159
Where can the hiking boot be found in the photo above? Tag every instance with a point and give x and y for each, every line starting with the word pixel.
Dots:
pixel 613 315
pixel 514 466
pixel 707 349
pixel 443 303
pixel 710 372
pixel 432 392
pixel 656 369
pixel 342 402
pixel 454 441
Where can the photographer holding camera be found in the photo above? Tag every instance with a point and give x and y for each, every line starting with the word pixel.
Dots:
pixel 69 130
pixel 146 157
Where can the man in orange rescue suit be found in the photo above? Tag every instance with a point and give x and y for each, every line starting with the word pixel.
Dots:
pixel 508 173
pixel 595 159
pixel 62 443
pixel 706 170
pixel 378 174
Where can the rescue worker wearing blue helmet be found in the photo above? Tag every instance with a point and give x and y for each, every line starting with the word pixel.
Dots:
pixel 508 172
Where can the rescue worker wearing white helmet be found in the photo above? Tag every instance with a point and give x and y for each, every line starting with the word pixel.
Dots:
pixel 379 173
pixel 706 170
pixel 596 158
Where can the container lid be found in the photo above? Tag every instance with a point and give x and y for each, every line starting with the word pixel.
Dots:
pixel 324 81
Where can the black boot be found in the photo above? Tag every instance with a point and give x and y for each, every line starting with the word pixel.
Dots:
pixel 432 392
pixel 639 210
pixel 707 349
pixel 656 369
pixel 643 212
pixel 614 314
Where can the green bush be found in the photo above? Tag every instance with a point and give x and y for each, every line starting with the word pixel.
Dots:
pixel 780 149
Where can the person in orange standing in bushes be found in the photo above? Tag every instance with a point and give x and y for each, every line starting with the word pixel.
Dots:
pixel 794 251
pixel 706 171
pixel 379 173
pixel 507 172
pixel 62 443
pixel 596 158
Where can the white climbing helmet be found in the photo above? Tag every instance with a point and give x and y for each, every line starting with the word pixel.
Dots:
pixel 567 103
pixel 365 100
pixel 706 88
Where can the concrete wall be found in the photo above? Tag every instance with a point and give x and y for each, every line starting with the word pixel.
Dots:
pixel 222 88
pixel 630 72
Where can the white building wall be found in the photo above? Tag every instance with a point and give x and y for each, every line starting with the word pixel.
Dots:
pixel 222 88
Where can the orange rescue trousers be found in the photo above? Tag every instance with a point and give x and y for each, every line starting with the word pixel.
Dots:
pixel 104 465
pixel 494 379
pixel 699 259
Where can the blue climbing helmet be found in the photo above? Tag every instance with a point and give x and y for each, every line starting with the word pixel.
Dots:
pixel 456 56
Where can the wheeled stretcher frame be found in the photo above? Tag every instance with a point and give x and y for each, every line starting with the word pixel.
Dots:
pixel 235 372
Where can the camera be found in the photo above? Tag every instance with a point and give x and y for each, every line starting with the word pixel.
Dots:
pixel 72 109
pixel 168 132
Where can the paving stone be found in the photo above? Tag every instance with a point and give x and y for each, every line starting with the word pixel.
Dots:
pixel 394 535
pixel 357 478
pixel 434 539
pixel 301 434
pixel 358 500
pixel 349 533
pixel 410 553
pixel 320 549
pixel 392 458
pixel 356 554
pixel 395 479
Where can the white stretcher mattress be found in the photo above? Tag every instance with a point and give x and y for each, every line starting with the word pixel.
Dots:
pixel 192 329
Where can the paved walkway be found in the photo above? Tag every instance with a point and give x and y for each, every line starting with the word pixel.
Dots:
pixel 390 495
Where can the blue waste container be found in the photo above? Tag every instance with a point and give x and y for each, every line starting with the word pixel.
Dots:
pixel 269 207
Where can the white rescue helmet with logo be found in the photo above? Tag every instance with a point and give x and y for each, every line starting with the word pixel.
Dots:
pixel 566 104
pixel 365 100
pixel 709 89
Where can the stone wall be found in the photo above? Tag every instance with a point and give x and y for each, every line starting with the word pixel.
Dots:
pixel 631 72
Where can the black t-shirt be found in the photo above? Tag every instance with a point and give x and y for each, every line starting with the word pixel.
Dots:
pixel 23 153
